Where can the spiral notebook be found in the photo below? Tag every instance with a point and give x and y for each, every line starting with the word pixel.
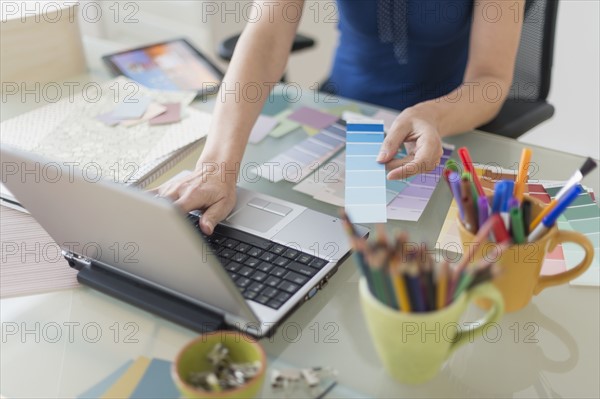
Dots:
pixel 69 131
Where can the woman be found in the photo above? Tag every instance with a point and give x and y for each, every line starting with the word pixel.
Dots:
pixel 446 65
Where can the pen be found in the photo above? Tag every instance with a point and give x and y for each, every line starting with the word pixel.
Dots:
pixel 586 168
pixel 465 157
pixel 454 180
pixel 470 220
pixel 483 209
pixel 516 225
pixel 526 210
pixel 442 284
pixel 508 190
pixel 522 174
pixel 554 214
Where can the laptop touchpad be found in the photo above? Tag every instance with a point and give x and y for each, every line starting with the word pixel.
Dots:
pixel 254 218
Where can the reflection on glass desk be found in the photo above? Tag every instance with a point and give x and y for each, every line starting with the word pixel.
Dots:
pixel 59 344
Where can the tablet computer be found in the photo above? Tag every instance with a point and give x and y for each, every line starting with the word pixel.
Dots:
pixel 170 65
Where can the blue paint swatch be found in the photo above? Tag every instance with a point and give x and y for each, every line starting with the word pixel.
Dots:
pixel 366 196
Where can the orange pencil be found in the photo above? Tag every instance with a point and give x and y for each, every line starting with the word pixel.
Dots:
pixel 522 174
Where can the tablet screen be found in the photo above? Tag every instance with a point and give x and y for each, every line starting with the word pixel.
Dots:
pixel 172 65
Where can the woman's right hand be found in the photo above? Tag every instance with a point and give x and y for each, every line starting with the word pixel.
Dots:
pixel 205 189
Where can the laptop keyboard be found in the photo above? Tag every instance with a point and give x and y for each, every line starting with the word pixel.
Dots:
pixel 264 271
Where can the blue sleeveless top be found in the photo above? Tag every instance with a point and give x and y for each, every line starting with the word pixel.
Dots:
pixel 397 53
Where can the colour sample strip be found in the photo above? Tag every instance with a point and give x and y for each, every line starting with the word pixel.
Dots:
pixel 301 160
pixel 365 192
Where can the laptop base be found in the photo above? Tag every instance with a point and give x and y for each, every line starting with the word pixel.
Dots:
pixel 151 299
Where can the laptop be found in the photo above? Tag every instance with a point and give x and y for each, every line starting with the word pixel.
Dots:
pixel 268 257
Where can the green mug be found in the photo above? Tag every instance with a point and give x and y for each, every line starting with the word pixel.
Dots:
pixel 413 346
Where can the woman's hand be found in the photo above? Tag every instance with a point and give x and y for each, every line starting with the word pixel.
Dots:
pixel 206 189
pixel 419 133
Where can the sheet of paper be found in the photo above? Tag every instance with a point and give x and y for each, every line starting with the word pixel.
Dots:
pixel 365 194
pixel 128 381
pixel 263 126
pixel 298 162
pixel 132 107
pixel 156 382
pixel 97 390
pixel 108 119
pixel 312 118
pixel 154 110
pixel 285 125
pixel 172 114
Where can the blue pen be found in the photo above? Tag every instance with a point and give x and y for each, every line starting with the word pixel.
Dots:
pixel 499 190
pixel 454 180
pixel 550 219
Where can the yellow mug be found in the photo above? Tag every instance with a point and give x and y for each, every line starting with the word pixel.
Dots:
pixel 413 346
pixel 520 265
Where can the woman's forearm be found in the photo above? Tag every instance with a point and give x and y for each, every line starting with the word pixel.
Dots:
pixel 259 61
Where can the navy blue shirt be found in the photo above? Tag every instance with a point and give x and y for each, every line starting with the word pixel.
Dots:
pixel 423 56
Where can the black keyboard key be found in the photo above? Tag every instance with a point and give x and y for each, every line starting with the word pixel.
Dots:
pixel 230 243
pixel 274 303
pixel 239 257
pixel 242 282
pixel 281 261
pixel 256 287
pixel 291 253
pixel 268 256
pixel 243 237
pixel 254 252
pixel 318 263
pixel 305 258
pixel 262 299
pixel 217 239
pixel 226 253
pixel 288 287
pixel 264 267
pixel 243 247
pixel 248 294
pixel 269 292
pixel 296 278
pixel 252 262
pixel 246 271
pixel 233 275
pixel 283 296
pixel 259 276
pixel 278 272
pixel 272 281
pixel 233 267
pixel 278 249
pixel 302 269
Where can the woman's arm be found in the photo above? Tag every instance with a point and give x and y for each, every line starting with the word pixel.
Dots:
pixel 493 48
pixel 259 61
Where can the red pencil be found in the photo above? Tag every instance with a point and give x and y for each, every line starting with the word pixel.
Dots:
pixel 465 157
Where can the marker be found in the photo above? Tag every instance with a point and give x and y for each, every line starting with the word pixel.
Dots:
pixel 499 194
pixel 483 209
pixel 516 225
pixel 470 220
pixel 550 219
pixel 586 168
pixel 452 165
pixel 454 180
pixel 508 189
pixel 522 174
pixel 465 157
pixel 468 176
pixel 499 231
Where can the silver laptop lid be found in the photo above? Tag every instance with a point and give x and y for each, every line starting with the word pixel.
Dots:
pixel 123 229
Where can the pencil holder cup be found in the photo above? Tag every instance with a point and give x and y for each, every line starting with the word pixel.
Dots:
pixel 520 265
pixel 414 346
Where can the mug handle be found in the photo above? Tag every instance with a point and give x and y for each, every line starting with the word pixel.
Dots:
pixel 566 276
pixel 484 291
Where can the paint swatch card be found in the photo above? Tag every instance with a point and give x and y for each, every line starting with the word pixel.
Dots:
pixel 263 126
pixel 312 117
pixel 172 114
pixel 365 177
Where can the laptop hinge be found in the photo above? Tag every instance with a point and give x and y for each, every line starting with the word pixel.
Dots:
pixel 76 261
pixel 150 299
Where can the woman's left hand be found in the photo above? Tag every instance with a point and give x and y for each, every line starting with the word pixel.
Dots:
pixel 419 133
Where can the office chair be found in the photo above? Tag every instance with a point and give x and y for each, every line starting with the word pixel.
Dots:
pixel 526 105
pixel 227 46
